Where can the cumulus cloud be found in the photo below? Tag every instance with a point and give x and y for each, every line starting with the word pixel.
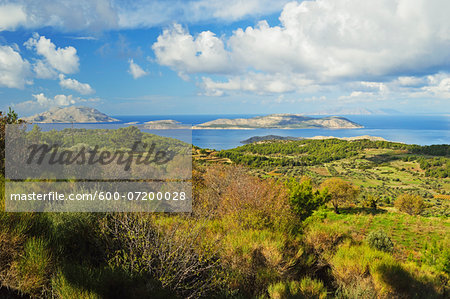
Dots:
pixel 438 85
pixel 65 15
pixel 328 41
pixel 14 70
pixel 73 84
pixel 58 100
pixel 64 60
pixel 135 70
pixel 11 16
pixel 184 53
pixel 43 70
pixel 115 14
pixel 41 102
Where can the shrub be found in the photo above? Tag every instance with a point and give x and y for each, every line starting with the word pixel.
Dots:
pixel 410 204
pixel 380 240
pixel 303 200
pixel 174 254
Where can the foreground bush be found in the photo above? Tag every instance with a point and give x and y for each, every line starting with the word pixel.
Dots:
pixel 174 256
pixel 380 240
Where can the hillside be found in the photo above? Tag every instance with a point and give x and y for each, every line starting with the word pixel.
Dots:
pixel 276 137
pixel 280 121
pixel 76 114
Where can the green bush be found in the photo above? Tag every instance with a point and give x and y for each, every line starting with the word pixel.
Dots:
pixel 380 240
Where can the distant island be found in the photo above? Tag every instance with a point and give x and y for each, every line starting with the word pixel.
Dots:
pixel 72 114
pixel 80 114
pixel 163 125
pixel 256 139
pixel 281 121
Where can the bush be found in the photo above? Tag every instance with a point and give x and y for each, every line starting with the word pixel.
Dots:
pixel 380 240
pixel 303 200
pixel 410 204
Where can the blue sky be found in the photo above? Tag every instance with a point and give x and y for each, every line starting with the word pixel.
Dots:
pixel 226 57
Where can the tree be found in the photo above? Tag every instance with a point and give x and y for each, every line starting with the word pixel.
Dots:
pixel 341 192
pixel 410 204
pixel 303 199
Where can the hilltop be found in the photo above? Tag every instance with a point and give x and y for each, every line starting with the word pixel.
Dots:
pixel 76 114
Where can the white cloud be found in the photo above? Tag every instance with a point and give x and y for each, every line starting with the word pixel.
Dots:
pixel 184 53
pixel 66 15
pixel 438 86
pixel 328 41
pixel 135 70
pixel 41 103
pixel 43 70
pixel 11 16
pixel 64 60
pixel 101 15
pixel 14 71
pixel 58 100
pixel 73 84
pixel 259 83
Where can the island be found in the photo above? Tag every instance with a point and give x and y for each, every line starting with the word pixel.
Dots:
pixel 281 121
pixel 72 114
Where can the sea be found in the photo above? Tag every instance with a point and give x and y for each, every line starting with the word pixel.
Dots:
pixel 410 129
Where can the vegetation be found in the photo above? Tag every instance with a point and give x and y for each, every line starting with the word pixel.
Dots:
pixel 265 231
pixel 380 240
pixel 341 192
pixel 411 204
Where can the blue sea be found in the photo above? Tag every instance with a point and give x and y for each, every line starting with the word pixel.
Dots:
pixel 411 129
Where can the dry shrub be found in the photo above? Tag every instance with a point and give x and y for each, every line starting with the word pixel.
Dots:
pixel 324 238
pixel 173 254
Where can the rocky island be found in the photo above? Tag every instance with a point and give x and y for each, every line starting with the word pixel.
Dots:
pixel 72 114
pixel 280 121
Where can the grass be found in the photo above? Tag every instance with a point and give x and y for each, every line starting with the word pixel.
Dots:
pixel 410 234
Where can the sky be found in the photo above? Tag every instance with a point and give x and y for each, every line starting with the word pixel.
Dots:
pixel 161 57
